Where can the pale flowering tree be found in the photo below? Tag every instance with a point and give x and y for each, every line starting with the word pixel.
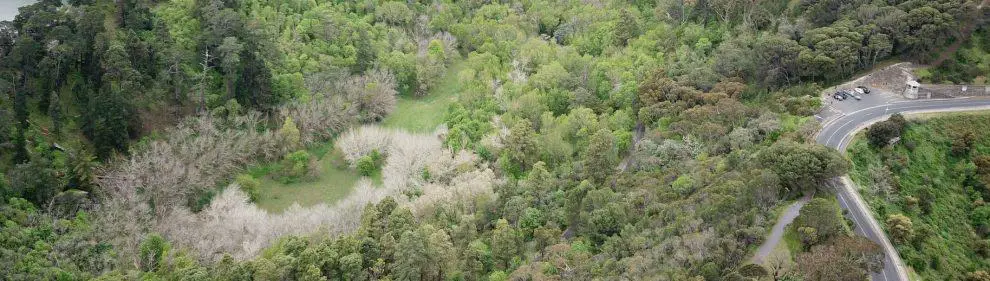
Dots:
pixel 358 142
pixel 231 224
pixel 373 93
pixel 155 183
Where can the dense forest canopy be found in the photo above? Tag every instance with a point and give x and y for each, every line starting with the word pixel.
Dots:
pixel 645 140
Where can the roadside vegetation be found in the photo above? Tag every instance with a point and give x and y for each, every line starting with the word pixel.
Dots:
pixel 497 130
pixel 969 65
pixel 925 180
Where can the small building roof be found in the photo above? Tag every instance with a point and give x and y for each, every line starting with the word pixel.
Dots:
pixel 913 83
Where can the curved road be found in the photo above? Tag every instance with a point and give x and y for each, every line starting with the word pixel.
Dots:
pixel 837 134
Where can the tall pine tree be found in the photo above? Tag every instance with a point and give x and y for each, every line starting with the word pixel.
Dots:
pixel 109 112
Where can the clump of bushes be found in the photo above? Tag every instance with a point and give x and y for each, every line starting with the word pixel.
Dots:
pixel 296 166
pixel 249 185
pixel 367 165
pixel 881 133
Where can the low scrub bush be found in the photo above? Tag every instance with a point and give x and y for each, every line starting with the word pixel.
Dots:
pixel 297 166
pixel 367 165
pixel 249 185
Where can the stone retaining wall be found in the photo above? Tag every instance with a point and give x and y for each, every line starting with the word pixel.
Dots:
pixel 941 91
pixel 890 78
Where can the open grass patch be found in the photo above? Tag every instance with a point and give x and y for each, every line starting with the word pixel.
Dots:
pixel 423 114
pixel 333 181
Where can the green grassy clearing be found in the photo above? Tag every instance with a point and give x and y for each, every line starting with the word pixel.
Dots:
pixel 943 247
pixel 333 181
pixel 422 115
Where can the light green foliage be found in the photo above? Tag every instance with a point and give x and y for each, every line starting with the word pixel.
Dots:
pixel 296 166
pixel 683 184
pixel 153 249
pixel 33 251
pixel 900 228
pixel 600 156
pixel 521 148
pixel 394 13
pixel 498 276
pixel 369 164
pixel 366 165
pixel 929 199
pixel 549 94
pixel 505 243
pixel 290 133
pixel 249 185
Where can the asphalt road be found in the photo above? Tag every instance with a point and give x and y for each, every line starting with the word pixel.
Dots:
pixel 838 132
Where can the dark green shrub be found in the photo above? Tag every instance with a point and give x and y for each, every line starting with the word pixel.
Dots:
pixel 881 133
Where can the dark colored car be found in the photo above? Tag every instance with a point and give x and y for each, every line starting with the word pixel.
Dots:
pixel 839 96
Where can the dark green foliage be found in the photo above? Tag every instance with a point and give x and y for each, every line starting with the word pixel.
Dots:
pixel 600 157
pixel 820 217
pixel 803 166
pixel 841 258
pixel 109 113
pixel 753 271
pixel 881 133
pixel 36 181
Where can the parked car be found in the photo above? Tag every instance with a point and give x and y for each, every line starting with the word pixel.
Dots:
pixel 853 95
pixel 839 96
pixel 863 89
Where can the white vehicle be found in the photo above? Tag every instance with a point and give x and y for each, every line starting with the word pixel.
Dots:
pixel 854 95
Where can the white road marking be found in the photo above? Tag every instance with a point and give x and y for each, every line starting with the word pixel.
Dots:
pixel 849 207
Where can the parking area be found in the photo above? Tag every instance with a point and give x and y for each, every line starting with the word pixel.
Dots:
pixel 874 98
pixel 885 85
pixel 832 107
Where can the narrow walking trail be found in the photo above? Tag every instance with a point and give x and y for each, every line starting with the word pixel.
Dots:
pixel 778 229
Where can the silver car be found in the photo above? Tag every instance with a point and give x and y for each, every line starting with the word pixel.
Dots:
pixel 854 95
